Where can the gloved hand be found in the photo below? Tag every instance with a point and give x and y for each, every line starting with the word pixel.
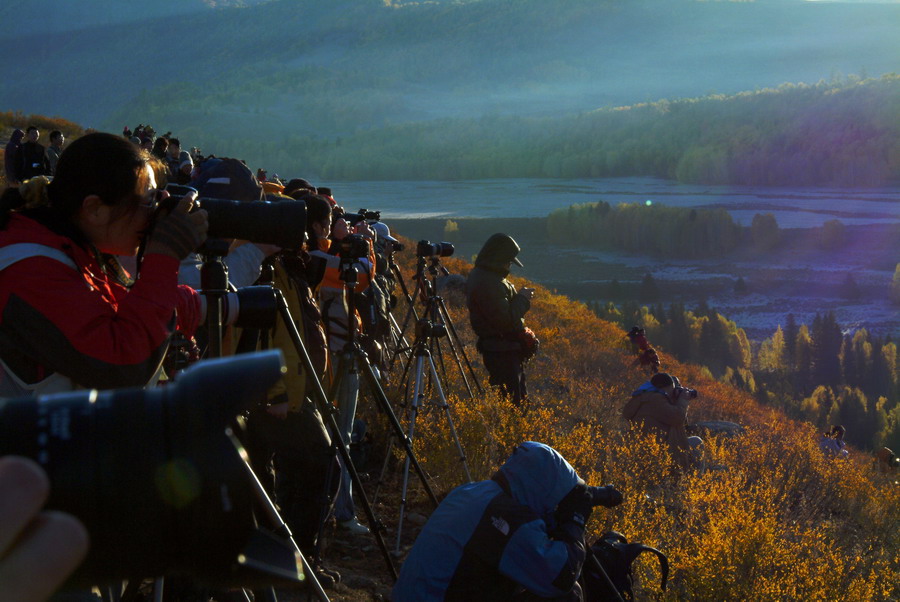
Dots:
pixel 576 507
pixel 178 232
pixel 607 496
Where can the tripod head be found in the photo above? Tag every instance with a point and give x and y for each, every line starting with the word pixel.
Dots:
pixel 426 329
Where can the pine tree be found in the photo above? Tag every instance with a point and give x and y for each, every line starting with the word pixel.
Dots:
pixel 790 342
pixel 894 292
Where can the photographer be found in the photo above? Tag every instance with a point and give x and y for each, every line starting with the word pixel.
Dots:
pixel 291 428
pixel 67 319
pixel 326 231
pixel 497 313
pixel 659 407
pixel 517 536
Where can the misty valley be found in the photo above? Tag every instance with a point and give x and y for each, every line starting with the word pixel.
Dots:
pixel 802 274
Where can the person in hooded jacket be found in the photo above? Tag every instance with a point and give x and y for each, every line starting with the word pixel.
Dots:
pixel 517 536
pixel 497 313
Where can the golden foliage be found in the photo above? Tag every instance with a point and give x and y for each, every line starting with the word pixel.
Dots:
pixel 770 520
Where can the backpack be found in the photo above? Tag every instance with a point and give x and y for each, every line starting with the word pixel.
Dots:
pixel 608 564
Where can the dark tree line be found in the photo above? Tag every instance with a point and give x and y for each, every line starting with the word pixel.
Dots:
pixel 845 133
pixel 813 372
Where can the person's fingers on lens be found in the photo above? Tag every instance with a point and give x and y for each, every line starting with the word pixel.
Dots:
pixel 186 203
pixel 23 490
pixel 47 552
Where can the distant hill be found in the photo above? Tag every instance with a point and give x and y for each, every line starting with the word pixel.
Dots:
pixel 284 73
pixel 22 16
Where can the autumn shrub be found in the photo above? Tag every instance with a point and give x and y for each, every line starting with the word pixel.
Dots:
pixel 770 519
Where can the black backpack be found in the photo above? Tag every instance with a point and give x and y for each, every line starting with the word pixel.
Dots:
pixel 607 569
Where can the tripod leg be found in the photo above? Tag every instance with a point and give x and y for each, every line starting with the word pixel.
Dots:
pixel 382 400
pixel 413 414
pixel 384 467
pixel 446 407
pixel 277 524
pixel 327 410
pixel 452 334
pixel 410 312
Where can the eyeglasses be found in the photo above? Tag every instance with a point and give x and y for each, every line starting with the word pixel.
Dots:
pixel 151 199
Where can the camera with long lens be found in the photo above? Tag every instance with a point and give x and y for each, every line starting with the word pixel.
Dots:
pixel 427 329
pixel 157 476
pixel 437 249
pixel 362 215
pixel 686 393
pixel 606 496
pixel 281 223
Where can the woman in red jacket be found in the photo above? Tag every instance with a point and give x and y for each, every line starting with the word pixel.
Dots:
pixel 69 315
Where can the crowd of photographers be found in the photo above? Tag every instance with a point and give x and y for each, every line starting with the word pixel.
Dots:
pixel 102 255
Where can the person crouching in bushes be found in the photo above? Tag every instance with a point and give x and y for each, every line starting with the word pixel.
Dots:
pixel 517 536
pixel 659 407
pixel 832 443
pixel 67 318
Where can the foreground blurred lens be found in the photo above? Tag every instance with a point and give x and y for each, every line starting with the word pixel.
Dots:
pixel 152 474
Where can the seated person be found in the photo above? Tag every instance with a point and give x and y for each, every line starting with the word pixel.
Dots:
pixel 66 319
pixel 517 536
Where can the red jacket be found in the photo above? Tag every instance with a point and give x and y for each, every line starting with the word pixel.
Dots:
pixel 80 322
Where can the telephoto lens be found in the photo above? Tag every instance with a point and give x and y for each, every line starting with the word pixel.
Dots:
pixel 429 249
pixel 607 496
pixel 155 475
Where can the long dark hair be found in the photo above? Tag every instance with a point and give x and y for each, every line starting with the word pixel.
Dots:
pixel 100 164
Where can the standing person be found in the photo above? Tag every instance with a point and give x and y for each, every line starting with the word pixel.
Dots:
pixel 180 163
pixel 497 313
pixel 33 159
pixel 325 238
pixel 65 319
pixel 160 146
pixel 55 149
pixel 517 536
pixel 12 158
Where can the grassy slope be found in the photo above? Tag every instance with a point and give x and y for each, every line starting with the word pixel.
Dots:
pixel 777 522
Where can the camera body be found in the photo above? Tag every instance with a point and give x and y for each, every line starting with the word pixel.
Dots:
pixel 354 246
pixel 426 329
pixel 426 248
pixel 362 215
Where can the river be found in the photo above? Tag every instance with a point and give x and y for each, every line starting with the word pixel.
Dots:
pixel 792 207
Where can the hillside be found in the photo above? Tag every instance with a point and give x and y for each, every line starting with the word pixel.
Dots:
pixel 302 67
pixel 772 520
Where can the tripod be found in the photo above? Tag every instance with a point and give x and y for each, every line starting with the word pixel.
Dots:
pixel 436 311
pixel 425 332
pixel 354 360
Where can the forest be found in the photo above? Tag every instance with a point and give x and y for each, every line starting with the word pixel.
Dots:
pixel 814 372
pixel 835 133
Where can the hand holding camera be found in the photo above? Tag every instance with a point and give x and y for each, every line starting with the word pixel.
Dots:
pixel 178 232
pixel 528 293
